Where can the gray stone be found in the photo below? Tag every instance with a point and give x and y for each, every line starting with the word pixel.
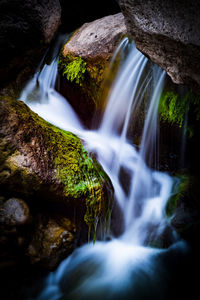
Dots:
pixel 168 33
pixel 98 38
pixel 14 212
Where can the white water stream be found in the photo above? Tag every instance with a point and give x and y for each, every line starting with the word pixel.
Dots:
pixel 108 269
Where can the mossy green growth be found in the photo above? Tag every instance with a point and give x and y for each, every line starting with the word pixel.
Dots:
pixel 173 108
pixel 75 70
pixel 83 179
pixel 89 75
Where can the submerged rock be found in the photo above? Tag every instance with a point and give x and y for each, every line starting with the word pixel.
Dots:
pixel 40 161
pixel 168 33
pixel 53 239
pixel 84 61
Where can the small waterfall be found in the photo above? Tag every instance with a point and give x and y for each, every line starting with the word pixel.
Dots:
pixel 120 267
pixel 40 95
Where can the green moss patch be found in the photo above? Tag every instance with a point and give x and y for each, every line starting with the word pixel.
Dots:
pixel 74 70
pixel 87 75
pixel 173 108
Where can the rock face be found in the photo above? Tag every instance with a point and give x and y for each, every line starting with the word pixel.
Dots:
pixel 168 33
pixel 24 26
pixel 84 61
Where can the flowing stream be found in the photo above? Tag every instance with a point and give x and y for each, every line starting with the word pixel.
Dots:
pixel 124 267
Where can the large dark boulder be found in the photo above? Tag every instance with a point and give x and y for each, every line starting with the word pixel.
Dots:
pixel 25 26
pixel 168 33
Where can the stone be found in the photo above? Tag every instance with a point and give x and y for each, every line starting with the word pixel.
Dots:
pixel 167 33
pixel 14 212
pixel 96 39
pixel 41 161
pixel 53 239
pixel 25 26
pixel 84 61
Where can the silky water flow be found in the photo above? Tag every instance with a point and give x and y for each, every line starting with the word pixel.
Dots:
pixel 124 267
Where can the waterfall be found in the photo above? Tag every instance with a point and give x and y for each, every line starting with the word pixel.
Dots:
pixel 119 267
pixel 40 95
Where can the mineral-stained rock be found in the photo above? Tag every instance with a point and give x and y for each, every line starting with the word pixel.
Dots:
pixel 40 161
pixel 168 33
pixel 53 239
pixel 84 61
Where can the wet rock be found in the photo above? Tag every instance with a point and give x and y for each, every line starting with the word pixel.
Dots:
pixel 53 239
pixel 14 212
pixel 168 33
pixel 41 161
pixel 84 61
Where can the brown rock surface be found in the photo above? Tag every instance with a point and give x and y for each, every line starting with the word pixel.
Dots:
pixel 53 239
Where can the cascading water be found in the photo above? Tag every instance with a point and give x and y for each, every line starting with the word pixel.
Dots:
pixel 120 268
pixel 40 95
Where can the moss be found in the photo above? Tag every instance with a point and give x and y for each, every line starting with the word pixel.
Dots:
pixel 173 108
pixel 88 75
pixel 74 70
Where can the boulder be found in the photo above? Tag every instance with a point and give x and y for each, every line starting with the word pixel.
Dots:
pixel 168 33
pixel 25 26
pixel 14 212
pixel 40 161
pixel 84 60
pixel 53 239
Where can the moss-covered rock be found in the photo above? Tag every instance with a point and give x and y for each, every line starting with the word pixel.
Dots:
pixel 84 61
pixel 40 161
